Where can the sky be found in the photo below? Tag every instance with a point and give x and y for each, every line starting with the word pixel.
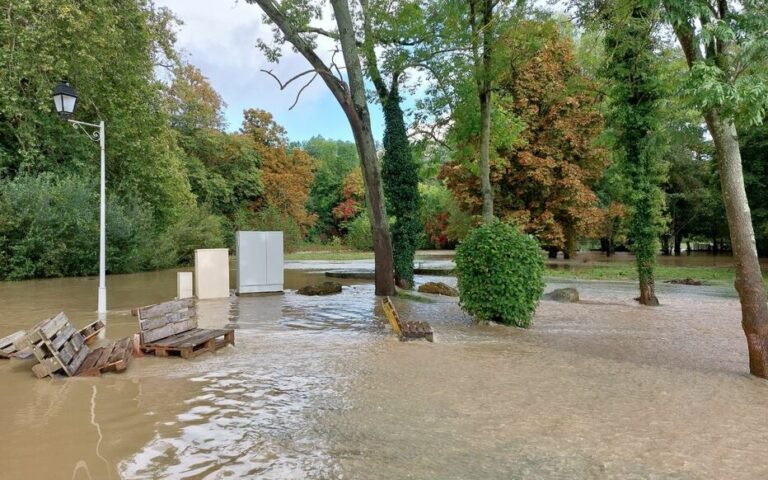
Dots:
pixel 220 39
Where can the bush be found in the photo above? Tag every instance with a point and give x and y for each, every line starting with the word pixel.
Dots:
pixel 359 234
pixel 194 228
pixel 500 274
pixel 49 227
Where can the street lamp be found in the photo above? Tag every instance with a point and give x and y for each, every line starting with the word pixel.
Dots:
pixel 65 100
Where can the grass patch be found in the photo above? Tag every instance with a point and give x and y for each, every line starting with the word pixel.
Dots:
pixel 337 255
pixel 628 271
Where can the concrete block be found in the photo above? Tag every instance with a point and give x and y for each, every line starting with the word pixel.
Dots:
pixel 184 285
pixel 212 273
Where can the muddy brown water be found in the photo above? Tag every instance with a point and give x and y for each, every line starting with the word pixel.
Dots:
pixel 316 388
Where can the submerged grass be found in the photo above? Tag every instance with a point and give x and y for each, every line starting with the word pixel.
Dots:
pixel 414 297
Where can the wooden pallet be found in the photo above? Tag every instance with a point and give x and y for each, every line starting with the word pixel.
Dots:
pixel 8 348
pixel 170 328
pixel 406 330
pixel 111 358
pixel 92 330
pixel 192 343
pixel 56 345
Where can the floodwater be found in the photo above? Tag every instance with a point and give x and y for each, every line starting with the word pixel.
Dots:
pixel 317 388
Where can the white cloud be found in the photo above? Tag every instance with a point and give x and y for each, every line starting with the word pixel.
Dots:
pixel 221 41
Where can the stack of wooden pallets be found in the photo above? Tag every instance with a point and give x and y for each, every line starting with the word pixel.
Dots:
pixel 60 348
pixel 170 328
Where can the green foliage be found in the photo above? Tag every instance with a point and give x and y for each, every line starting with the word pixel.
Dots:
pixel 333 161
pixel 731 78
pixel 46 40
pixel 754 151
pixel 445 224
pixel 271 219
pixel 359 233
pixel 195 228
pixel 49 228
pixel 401 188
pixel 500 274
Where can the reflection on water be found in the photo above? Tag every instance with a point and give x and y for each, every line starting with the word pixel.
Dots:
pixel 316 388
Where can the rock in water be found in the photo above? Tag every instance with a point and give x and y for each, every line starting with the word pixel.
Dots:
pixel 439 288
pixel 325 288
pixel 565 295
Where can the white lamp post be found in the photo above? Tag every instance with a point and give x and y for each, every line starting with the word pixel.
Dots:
pixel 65 100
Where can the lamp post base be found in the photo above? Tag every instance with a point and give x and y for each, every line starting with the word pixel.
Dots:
pixel 102 300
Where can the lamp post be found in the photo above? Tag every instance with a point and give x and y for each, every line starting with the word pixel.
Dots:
pixel 65 100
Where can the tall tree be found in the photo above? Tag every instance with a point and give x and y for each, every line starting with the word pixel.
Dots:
pixel 293 25
pixel 725 47
pixel 545 176
pixel 634 119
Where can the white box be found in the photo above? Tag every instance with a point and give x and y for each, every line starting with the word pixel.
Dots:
pixel 259 262
pixel 184 285
pixel 212 273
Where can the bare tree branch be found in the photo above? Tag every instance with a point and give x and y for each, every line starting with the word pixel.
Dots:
pixel 302 89
pixel 284 85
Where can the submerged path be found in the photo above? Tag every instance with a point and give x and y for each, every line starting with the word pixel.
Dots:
pixel 316 388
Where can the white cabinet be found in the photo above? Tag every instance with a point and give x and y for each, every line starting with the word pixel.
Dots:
pixel 211 273
pixel 259 262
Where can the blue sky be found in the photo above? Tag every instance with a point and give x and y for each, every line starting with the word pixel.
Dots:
pixel 221 41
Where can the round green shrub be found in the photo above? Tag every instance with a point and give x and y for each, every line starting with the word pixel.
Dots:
pixel 500 274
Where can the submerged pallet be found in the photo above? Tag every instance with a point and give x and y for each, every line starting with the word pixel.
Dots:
pixel 8 348
pixel 90 331
pixel 406 330
pixel 170 328
pixel 56 345
pixel 60 348
pixel 114 357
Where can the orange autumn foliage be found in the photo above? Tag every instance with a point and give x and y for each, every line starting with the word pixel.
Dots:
pixel 286 173
pixel 545 181
pixel 353 193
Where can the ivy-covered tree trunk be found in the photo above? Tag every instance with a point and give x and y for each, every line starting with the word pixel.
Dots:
pixel 399 171
pixel 401 187
pixel 635 92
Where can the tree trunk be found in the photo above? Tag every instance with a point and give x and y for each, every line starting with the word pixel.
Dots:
pixel 665 248
pixel 678 242
pixel 648 291
pixel 749 280
pixel 360 121
pixel 351 98
pixel 485 166
pixel 571 244
pixel 552 252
